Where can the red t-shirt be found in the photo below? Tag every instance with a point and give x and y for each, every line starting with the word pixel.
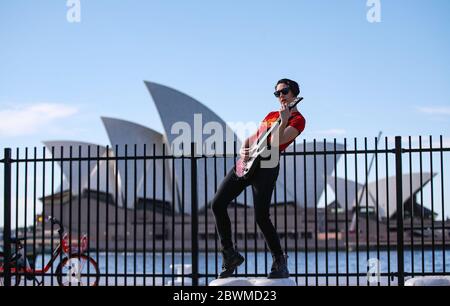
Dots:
pixel 296 120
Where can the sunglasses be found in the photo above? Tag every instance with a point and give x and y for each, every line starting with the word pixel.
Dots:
pixel 283 91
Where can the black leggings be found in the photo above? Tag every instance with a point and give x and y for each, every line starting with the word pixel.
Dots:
pixel 263 182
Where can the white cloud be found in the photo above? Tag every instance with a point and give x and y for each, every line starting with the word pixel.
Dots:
pixel 30 119
pixel 444 110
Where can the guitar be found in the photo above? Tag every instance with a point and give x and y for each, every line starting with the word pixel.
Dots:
pixel 245 167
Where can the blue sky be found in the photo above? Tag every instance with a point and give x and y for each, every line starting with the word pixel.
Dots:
pixel 57 78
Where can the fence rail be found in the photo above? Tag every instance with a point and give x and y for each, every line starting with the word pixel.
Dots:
pixel 147 220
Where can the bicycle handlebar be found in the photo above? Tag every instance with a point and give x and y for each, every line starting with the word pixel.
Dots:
pixel 57 222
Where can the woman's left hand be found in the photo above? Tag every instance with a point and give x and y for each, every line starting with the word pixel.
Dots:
pixel 284 113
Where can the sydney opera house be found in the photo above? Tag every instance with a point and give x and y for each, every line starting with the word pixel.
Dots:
pixel 145 203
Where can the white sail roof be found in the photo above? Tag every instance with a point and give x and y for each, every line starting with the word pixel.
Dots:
pixel 344 191
pixel 387 195
pixel 79 174
pixel 176 107
pixel 125 133
pixel 314 170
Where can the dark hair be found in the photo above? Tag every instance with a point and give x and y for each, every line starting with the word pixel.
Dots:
pixel 293 85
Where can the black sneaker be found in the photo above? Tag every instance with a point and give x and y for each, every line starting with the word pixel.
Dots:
pixel 231 260
pixel 279 267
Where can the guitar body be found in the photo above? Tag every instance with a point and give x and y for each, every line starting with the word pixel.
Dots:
pixel 244 169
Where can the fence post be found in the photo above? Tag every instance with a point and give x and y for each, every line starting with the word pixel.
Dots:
pixel 7 218
pixel 399 196
pixel 194 216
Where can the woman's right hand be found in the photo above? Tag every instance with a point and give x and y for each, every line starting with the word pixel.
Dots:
pixel 244 153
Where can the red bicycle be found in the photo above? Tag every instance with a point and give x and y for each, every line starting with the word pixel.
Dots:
pixel 75 268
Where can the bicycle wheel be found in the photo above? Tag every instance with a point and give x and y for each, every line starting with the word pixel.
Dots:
pixel 78 270
pixel 15 278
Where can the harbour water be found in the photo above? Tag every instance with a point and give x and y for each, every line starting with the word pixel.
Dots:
pixel 157 269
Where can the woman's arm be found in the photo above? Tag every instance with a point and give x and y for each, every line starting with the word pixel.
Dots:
pixel 244 151
pixel 287 133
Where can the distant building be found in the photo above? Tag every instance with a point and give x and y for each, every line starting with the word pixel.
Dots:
pixel 80 175
pixel 147 205
pixel 381 197
pixel 139 177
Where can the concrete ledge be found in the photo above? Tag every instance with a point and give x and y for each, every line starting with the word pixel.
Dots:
pixel 256 281
pixel 428 281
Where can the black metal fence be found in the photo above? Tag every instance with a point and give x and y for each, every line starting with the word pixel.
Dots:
pixel 147 218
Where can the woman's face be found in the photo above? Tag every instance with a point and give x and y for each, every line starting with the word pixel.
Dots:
pixel 284 98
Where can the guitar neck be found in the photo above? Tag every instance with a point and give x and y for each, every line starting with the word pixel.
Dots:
pixel 263 138
pixel 276 123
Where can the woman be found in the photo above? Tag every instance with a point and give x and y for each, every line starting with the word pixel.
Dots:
pixel 263 181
